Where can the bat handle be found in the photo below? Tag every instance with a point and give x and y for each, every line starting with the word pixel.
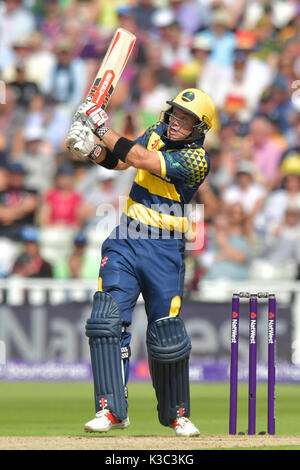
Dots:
pixel 78 146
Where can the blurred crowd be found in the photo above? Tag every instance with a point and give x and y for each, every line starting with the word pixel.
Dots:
pixel 55 211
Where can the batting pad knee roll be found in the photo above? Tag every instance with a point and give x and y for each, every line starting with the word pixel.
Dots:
pixel 169 349
pixel 104 329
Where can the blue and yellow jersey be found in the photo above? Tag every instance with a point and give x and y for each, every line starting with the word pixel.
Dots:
pixel 158 201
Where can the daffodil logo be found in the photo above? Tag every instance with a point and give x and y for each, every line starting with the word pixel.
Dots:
pixel 188 96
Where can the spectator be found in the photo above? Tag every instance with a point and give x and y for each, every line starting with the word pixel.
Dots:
pixel 62 203
pixel 259 73
pixel 229 250
pixel 210 200
pixel 219 176
pixel 187 74
pixel 51 24
pixel 223 44
pixel 58 121
pixel 37 160
pixel 278 201
pixel 280 13
pixel 239 97
pixel 223 40
pixel 288 65
pixel 40 60
pixel 175 47
pixel 102 201
pixel 50 121
pixel 281 109
pixel 249 76
pixel 8 248
pixel 4 174
pixel 268 46
pixel 16 22
pixel 151 94
pixel 37 115
pixel 24 89
pixel 282 243
pixel 143 12
pixel 265 153
pixel 245 190
pixel 107 16
pixel 86 11
pixel 67 81
pixel 127 20
pixel 293 137
pixel 11 121
pixel 278 137
pixel 18 204
pixel 85 39
pixel 30 263
pixel 279 256
pixel 19 53
pixel 80 265
pixel 153 52
pixel 201 48
pixel 232 142
pixel 192 15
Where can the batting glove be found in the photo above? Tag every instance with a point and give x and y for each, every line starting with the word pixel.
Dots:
pixel 92 114
pixel 80 140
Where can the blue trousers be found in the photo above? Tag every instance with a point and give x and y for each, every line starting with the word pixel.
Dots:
pixel 151 267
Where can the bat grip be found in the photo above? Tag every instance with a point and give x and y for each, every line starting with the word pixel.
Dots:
pixel 78 146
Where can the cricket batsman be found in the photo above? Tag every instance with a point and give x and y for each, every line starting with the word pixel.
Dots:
pixel 144 255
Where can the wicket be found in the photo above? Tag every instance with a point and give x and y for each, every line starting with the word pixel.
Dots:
pixel 253 302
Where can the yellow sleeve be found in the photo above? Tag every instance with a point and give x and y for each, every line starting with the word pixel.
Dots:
pixel 163 169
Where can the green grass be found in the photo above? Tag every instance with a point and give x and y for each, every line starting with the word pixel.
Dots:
pixel 45 409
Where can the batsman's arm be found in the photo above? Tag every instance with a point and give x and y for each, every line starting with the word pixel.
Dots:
pixel 131 153
pixel 120 166
pixel 114 152
pixel 81 143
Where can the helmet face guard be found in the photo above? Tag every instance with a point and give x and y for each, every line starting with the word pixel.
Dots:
pixel 198 130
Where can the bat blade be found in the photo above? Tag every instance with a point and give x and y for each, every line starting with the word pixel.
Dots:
pixel 111 69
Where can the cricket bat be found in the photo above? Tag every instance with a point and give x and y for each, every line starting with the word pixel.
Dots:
pixel 111 69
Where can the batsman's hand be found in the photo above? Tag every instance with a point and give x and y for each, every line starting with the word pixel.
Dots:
pixel 80 140
pixel 91 114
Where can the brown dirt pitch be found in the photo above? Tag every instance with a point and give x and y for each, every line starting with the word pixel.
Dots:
pixel 97 442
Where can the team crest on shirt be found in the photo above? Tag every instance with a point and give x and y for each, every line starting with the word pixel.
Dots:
pixel 155 144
